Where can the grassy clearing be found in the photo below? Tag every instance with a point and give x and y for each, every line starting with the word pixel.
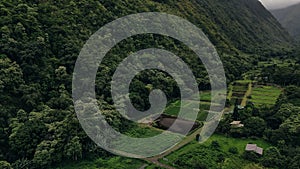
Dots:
pixel 227 142
pixel 232 161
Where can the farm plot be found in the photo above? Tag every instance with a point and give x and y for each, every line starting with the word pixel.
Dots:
pixel 265 95
pixel 174 109
pixel 205 98
pixel 238 90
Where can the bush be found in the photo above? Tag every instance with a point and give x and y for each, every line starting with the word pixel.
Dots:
pixel 5 165
pixel 215 145
pixel 251 156
pixel 233 150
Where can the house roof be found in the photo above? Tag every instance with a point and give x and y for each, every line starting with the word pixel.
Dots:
pixel 251 147
pixel 240 125
pixel 259 150
pixel 235 122
pixel 255 148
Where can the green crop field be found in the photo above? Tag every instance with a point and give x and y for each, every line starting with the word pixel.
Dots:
pixel 265 95
pixel 240 88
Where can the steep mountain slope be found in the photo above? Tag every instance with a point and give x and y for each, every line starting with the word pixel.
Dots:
pixel 290 19
pixel 245 24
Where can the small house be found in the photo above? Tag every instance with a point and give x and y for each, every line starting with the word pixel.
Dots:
pixel 254 148
pixel 236 124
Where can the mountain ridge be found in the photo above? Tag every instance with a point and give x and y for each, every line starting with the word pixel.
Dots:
pixel 289 17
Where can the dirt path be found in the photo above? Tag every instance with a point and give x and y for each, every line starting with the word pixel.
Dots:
pixel 248 93
pixel 185 141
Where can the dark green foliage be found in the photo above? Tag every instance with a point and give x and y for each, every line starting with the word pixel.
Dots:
pixel 233 150
pixel 5 165
pixel 251 156
pixel 235 114
pixel 254 126
pixel 215 145
pixel 272 158
pixel 286 74
pixel 40 42
pixel 201 157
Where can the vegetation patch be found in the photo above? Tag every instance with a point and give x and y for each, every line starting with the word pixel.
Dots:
pixel 265 95
pixel 115 162
pixel 215 152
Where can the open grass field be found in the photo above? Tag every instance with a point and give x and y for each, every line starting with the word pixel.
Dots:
pixel 234 162
pixel 227 142
pixel 265 95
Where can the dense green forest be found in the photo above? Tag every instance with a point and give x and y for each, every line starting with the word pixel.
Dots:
pixel 40 42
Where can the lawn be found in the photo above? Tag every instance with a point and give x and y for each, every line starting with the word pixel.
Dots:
pixel 227 142
pixel 231 161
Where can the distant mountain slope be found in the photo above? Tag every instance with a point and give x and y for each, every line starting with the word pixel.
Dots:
pixel 244 23
pixel 290 19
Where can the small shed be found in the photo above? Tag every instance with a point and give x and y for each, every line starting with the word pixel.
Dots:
pixel 237 124
pixel 254 148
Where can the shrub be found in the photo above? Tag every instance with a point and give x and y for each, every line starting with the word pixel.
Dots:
pixel 233 150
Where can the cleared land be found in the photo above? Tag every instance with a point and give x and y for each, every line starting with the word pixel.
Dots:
pixel 225 143
pixel 238 91
pixel 265 95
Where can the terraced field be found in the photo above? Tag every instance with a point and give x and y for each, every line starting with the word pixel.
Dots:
pixel 238 90
pixel 205 103
pixel 265 95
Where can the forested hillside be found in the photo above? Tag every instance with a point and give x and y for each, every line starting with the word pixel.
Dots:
pixel 290 19
pixel 39 44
